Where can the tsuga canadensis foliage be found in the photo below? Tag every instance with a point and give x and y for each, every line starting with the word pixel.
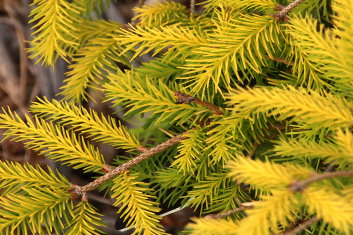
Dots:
pixel 249 118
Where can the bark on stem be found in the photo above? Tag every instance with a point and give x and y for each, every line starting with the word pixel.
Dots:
pixel 285 10
pixel 280 60
pixel 192 6
pixel 81 190
pixel 300 227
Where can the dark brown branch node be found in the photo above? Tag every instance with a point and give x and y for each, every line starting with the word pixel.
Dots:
pixel 182 98
pixel 187 99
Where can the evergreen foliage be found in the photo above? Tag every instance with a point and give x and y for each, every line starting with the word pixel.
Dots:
pixel 87 122
pixel 136 204
pixel 258 96
pixel 85 220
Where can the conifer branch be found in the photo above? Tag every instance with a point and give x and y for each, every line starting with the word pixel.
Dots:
pixel 285 10
pixel 300 227
pixel 97 127
pixel 229 45
pixel 301 185
pixel 81 190
pixel 244 206
pixel 134 20
pixel 187 99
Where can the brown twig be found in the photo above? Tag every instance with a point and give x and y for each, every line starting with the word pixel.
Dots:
pixel 301 185
pixel 192 6
pixel 187 99
pixel 300 227
pixel 244 206
pixel 81 190
pixel 280 60
pixel 285 10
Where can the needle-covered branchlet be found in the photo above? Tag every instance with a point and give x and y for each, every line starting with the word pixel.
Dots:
pixel 134 21
pixel 187 99
pixel 81 190
pixel 301 185
pixel 285 10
